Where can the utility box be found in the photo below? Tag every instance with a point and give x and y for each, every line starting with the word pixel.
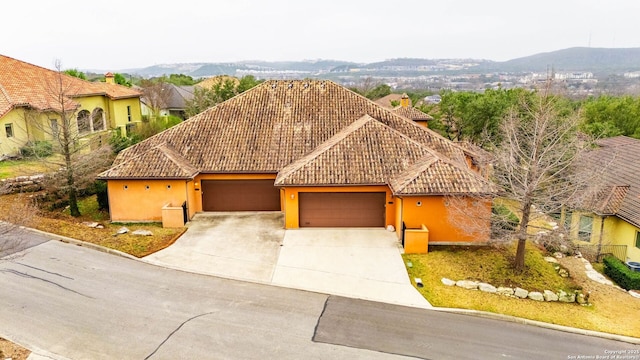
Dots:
pixel 416 241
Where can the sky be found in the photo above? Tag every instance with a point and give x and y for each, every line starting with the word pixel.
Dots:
pixel 123 34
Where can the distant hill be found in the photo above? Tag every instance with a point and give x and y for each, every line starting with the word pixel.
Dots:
pixel 596 60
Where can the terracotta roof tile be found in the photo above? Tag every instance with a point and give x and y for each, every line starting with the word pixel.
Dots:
pixel 366 152
pixel 620 192
pixel 159 162
pixel 412 113
pixel 275 123
pixel 24 84
pixel 437 176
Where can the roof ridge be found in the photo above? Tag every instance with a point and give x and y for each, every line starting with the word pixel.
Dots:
pixel 412 168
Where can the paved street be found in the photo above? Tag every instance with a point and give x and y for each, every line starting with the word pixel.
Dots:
pixel 65 301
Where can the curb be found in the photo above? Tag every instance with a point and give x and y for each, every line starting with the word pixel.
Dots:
pixel 518 320
pixel 76 242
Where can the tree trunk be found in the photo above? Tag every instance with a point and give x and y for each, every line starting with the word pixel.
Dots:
pixel 522 235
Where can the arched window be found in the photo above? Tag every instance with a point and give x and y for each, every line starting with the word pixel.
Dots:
pixel 97 117
pixel 83 122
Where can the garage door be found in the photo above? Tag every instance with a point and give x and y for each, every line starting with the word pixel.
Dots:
pixel 240 195
pixel 342 209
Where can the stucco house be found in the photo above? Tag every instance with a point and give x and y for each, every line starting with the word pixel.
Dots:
pixel 322 154
pixel 612 216
pixel 29 110
pixel 172 100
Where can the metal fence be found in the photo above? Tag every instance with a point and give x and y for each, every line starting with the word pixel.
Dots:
pixel 592 253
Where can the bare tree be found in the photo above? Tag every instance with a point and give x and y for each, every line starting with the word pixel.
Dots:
pixel 157 95
pixel 80 156
pixel 536 161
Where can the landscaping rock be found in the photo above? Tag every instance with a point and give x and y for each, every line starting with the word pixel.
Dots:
pixel 505 291
pixel 448 282
pixel 567 298
pixel 122 230
pixel 582 299
pixel 558 255
pixel 550 296
pixel 635 293
pixel 551 259
pixel 534 295
pixel 521 293
pixel 142 233
pixel 90 224
pixel 564 249
pixel 100 226
pixel 467 284
pixel 563 273
pixel 488 288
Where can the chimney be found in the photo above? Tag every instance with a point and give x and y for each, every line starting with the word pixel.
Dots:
pixel 109 78
pixel 405 101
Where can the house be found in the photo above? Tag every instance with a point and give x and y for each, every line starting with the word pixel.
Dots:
pixel 171 99
pixel 405 108
pixel 29 110
pixel 612 216
pixel 322 154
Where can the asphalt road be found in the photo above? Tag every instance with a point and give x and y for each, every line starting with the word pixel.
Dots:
pixel 66 301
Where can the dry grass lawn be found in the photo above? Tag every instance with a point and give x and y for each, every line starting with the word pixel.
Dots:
pixel 59 222
pixel 609 313
pixel 9 350
pixel 15 168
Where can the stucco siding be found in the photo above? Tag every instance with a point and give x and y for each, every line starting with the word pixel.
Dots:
pixel 448 220
pixel 142 200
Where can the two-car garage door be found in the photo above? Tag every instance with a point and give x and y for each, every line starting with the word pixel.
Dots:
pixel 316 209
pixel 355 209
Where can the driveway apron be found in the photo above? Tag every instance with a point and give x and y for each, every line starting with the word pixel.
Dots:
pixel 236 245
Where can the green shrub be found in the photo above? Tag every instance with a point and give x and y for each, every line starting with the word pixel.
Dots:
pixel 37 149
pixel 621 274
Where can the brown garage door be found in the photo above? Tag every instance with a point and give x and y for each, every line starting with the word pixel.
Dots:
pixel 342 209
pixel 240 195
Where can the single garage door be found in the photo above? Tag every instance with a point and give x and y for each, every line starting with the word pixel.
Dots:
pixel 240 195
pixel 342 209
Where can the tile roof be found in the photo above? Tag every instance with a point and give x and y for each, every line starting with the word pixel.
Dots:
pixel 438 176
pixel 24 84
pixel 412 113
pixel 327 134
pixel 616 162
pixel 365 152
pixel 386 100
pixel 162 161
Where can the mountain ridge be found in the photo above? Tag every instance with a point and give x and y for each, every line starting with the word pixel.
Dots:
pixel 596 60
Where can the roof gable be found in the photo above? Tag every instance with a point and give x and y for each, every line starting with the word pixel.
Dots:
pixel 366 152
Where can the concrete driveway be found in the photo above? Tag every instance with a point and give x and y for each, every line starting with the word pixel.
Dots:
pixel 362 263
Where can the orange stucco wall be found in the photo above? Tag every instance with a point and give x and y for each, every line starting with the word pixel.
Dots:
pixel 196 191
pixel 142 200
pixel 291 205
pixel 448 220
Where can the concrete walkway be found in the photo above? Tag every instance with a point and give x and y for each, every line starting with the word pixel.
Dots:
pixel 359 263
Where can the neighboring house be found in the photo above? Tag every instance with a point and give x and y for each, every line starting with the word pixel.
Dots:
pixel 172 100
pixel 29 111
pixel 612 216
pixel 322 154
pixel 405 108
